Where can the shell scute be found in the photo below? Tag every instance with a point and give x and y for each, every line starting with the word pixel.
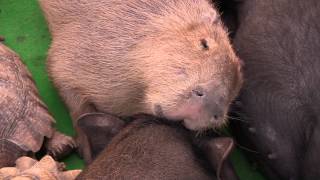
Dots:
pixel 24 118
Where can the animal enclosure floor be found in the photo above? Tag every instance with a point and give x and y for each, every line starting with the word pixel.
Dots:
pixel 25 31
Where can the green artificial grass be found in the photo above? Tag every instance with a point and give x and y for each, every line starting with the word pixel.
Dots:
pixel 25 31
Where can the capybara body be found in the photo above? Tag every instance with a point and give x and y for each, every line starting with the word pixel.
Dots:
pixel 150 149
pixel 169 58
pixel 279 44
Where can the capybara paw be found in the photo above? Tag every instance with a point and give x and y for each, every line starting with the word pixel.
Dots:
pixel 60 145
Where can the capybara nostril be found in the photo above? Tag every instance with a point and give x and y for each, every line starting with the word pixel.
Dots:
pixel 198 92
pixel 217 115
pixel 216 118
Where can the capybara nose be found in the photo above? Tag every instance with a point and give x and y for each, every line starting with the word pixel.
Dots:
pixel 216 107
pixel 217 115
pixel 211 101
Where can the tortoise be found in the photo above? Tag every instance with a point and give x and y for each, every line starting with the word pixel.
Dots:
pixel 25 122
pixel 30 169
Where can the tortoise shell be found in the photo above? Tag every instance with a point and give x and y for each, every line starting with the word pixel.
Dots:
pixel 24 118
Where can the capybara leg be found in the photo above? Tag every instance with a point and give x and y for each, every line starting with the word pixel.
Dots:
pixel 78 106
pixel 60 145
pixel 98 129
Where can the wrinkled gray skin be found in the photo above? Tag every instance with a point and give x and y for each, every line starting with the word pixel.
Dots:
pixel 24 119
pixel 278 40
pixel 150 149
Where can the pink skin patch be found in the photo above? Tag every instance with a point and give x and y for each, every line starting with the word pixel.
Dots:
pixel 194 116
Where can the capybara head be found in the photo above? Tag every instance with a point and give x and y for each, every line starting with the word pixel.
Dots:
pixel 191 70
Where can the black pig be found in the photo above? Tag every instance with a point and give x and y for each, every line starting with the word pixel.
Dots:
pixel 279 42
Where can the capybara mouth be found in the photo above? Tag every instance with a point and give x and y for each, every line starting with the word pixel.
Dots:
pixel 197 114
pixel 201 124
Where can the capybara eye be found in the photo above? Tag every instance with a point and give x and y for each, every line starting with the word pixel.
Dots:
pixel 204 44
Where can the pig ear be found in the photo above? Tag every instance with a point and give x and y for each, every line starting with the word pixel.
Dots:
pixel 217 151
pixel 99 129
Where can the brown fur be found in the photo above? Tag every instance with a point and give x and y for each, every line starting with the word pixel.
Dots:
pixel 150 149
pixel 141 56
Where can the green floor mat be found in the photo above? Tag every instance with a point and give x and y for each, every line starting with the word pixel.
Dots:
pixel 25 31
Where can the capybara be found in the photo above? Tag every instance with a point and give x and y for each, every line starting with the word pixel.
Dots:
pixel 25 121
pixel 169 58
pixel 148 148
pixel 280 101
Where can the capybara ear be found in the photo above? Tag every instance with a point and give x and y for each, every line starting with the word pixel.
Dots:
pixel 98 129
pixel 210 17
pixel 217 151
